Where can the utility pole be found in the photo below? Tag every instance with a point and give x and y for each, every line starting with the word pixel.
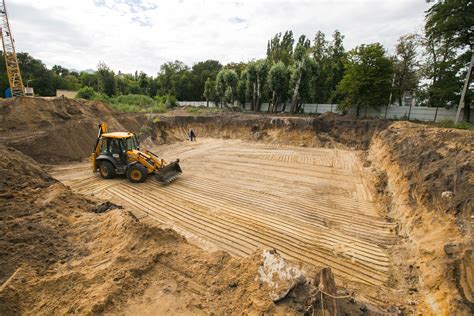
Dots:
pixel 464 90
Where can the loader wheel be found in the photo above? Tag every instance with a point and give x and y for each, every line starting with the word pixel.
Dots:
pixel 137 173
pixel 106 170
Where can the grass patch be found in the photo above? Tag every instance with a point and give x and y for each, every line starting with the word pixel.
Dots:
pixel 203 110
pixel 451 124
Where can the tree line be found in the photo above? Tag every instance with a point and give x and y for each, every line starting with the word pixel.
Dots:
pixel 430 67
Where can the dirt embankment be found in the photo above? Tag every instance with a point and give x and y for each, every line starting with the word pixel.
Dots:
pixel 329 130
pixel 58 130
pixel 426 181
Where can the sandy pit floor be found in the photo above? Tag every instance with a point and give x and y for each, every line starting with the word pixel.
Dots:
pixel 311 204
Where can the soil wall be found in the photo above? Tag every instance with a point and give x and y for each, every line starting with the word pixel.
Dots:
pixel 58 130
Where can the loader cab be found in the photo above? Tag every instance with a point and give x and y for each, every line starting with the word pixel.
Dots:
pixel 116 146
pixel 113 148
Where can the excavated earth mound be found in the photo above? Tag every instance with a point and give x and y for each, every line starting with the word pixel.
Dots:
pixel 57 130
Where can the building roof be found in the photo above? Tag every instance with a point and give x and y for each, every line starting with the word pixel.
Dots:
pixel 118 135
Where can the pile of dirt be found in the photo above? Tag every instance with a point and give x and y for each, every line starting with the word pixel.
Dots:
pixel 327 130
pixel 57 130
pixel 426 177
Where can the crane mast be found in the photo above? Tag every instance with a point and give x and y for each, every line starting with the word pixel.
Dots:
pixel 11 61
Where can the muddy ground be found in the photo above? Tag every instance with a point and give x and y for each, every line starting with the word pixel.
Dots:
pixel 386 205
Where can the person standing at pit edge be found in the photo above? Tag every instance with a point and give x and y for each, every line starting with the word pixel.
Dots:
pixel 192 135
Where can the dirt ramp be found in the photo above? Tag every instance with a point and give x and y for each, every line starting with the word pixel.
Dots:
pixel 57 130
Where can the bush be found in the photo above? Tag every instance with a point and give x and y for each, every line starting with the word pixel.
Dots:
pixel 168 100
pixel 86 93
pixel 141 103
pixel 158 108
pixel 139 100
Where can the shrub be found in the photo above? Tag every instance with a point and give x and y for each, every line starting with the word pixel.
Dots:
pixel 139 100
pixel 168 100
pixel 86 93
pixel 158 108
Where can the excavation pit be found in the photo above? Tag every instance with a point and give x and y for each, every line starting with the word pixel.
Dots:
pixel 313 205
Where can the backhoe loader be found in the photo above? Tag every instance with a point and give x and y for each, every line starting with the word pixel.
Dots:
pixel 118 153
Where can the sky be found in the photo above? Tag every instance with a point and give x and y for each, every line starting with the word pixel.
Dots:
pixel 141 35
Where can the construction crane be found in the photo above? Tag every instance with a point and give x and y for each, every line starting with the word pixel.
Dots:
pixel 11 62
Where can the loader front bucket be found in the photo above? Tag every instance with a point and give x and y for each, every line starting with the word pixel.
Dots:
pixel 169 172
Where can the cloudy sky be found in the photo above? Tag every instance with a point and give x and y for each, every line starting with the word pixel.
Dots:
pixel 134 35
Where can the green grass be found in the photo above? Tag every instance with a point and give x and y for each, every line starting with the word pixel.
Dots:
pixel 138 103
pixel 451 124
pixel 202 110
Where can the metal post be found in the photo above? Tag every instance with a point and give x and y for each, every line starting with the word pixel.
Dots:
pixel 464 90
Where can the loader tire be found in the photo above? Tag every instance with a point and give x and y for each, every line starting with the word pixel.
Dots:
pixel 106 169
pixel 137 173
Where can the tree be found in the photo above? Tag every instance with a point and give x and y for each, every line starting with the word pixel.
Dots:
pixel 449 43
pixel 106 79
pixel 256 77
pixel 337 59
pixel 406 77
pixel 86 93
pixel 281 48
pixel 226 85
pixel 367 79
pixel 208 90
pixel 320 87
pixel 201 72
pixel 278 84
pixel 242 88
pixel 301 73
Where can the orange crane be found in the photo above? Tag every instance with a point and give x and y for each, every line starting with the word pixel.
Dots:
pixel 11 62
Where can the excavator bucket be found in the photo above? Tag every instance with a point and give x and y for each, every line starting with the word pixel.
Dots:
pixel 168 173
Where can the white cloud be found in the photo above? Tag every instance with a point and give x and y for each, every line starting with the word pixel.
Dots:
pixel 134 35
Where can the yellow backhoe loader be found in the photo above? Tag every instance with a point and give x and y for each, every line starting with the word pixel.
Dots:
pixel 119 153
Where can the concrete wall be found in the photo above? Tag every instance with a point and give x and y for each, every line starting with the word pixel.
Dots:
pixel 420 113
pixel 70 94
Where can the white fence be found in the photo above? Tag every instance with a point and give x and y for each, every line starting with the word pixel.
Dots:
pixel 420 113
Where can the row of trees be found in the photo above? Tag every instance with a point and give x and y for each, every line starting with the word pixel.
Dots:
pixel 430 67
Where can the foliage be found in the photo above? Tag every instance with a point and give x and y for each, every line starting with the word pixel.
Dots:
pixel 367 79
pixel 226 85
pixel 280 48
pixel 86 93
pixel 278 82
pixel 142 103
pixel 448 45
pixel 106 79
pixel 302 71
pixel 406 78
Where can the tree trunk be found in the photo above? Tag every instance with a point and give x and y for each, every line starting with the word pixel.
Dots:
pixel 358 110
pixel 254 96
pixel 271 106
pixel 207 102
pixel 257 104
pixel 284 107
pixel 295 95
